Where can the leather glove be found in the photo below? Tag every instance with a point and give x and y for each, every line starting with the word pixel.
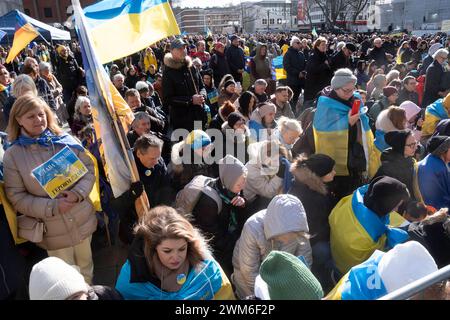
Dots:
pixel 136 189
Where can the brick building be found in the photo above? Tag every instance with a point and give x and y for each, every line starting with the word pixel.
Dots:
pixel 50 11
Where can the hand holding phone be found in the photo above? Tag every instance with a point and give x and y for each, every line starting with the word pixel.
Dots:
pixel 355 107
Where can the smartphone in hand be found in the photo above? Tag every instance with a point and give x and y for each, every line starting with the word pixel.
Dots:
pixel 355 107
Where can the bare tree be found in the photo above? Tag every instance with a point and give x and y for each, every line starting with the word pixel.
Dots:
pixel 356 7
pixel 331 9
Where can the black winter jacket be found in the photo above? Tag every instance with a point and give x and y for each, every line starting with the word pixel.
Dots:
pixel 219 66
pixel 178 88
pixel 317 201
pixel 318 74
pixel 294 62
pixel 433 83
pixel 68 73
pixel 395 165
pixel 236 58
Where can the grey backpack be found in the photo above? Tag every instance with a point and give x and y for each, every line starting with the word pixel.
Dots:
pixel 188 197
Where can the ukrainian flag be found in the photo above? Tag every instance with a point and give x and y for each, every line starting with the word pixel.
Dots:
pixel 24 34
pixel 362 282
pixel 119 28
pixel 434 113
pixel 356 231
pixel 108 108
pixel 278 72
pixel 330 127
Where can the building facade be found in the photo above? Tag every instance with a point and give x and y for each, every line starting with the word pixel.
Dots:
pixel 386 15
pixel 8 5
pixel 51 11
pixel 310 15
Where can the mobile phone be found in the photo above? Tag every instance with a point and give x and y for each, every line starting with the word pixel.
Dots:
pixel 355 107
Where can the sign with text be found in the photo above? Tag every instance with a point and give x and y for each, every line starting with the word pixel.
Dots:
pixel 60 172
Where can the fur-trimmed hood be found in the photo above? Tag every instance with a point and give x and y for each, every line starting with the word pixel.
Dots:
pixel 170 62
pixel 229 137
pixel 308 178
pixel 176 157
pixel 383 122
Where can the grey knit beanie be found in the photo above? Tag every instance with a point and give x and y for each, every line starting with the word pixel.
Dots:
pixel 342 77
pixel 230 169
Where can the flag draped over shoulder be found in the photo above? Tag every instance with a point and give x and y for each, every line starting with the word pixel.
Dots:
pixel 120 28
pixel 277 68
pixel 24 34
pixel 108 108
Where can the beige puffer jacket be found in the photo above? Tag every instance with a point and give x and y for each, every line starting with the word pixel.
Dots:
pixel 29 198
pixel 283 215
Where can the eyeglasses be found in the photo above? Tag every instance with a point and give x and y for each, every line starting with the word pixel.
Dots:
pixel 411 145
pixel 347 91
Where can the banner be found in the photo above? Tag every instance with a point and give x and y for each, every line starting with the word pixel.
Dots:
pixel 301 10
pixel 60 172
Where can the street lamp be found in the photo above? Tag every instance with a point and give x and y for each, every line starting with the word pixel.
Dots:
pixel 268 21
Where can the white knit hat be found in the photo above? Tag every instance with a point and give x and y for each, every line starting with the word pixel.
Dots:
pixel 404 264
pixel 54 279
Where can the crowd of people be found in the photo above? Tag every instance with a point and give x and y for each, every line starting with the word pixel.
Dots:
pixel 260 188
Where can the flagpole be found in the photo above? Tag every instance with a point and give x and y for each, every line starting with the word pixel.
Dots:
pixel 118 128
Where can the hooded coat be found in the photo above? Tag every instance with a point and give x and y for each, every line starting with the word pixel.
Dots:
pixel 256 243
pixel 260 66
pixel 178 88
pixel 257 130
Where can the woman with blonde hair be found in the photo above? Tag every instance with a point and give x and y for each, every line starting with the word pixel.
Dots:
pixel 170 260
pixel 66 212
pixel 287 133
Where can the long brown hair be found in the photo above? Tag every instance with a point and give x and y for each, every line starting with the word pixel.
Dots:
pixel 398 117
pixel 164 222
pixel 24 104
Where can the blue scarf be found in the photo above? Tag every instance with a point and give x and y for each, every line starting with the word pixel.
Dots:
pixel 373 224
pixel 199 285
pixel 288 177
pixel 48 138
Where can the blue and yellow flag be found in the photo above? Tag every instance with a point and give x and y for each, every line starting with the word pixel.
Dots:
pixel 434 113
pixel 24 34
pixel 111 113
pixel 120 28
pixel 278 72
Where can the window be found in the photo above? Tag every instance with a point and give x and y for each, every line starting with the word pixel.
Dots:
pixel 264 21
pixel 272 21
pixel 48 12
pixel 279 21
pixel 27 12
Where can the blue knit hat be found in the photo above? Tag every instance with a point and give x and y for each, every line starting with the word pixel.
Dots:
pixel 198 139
